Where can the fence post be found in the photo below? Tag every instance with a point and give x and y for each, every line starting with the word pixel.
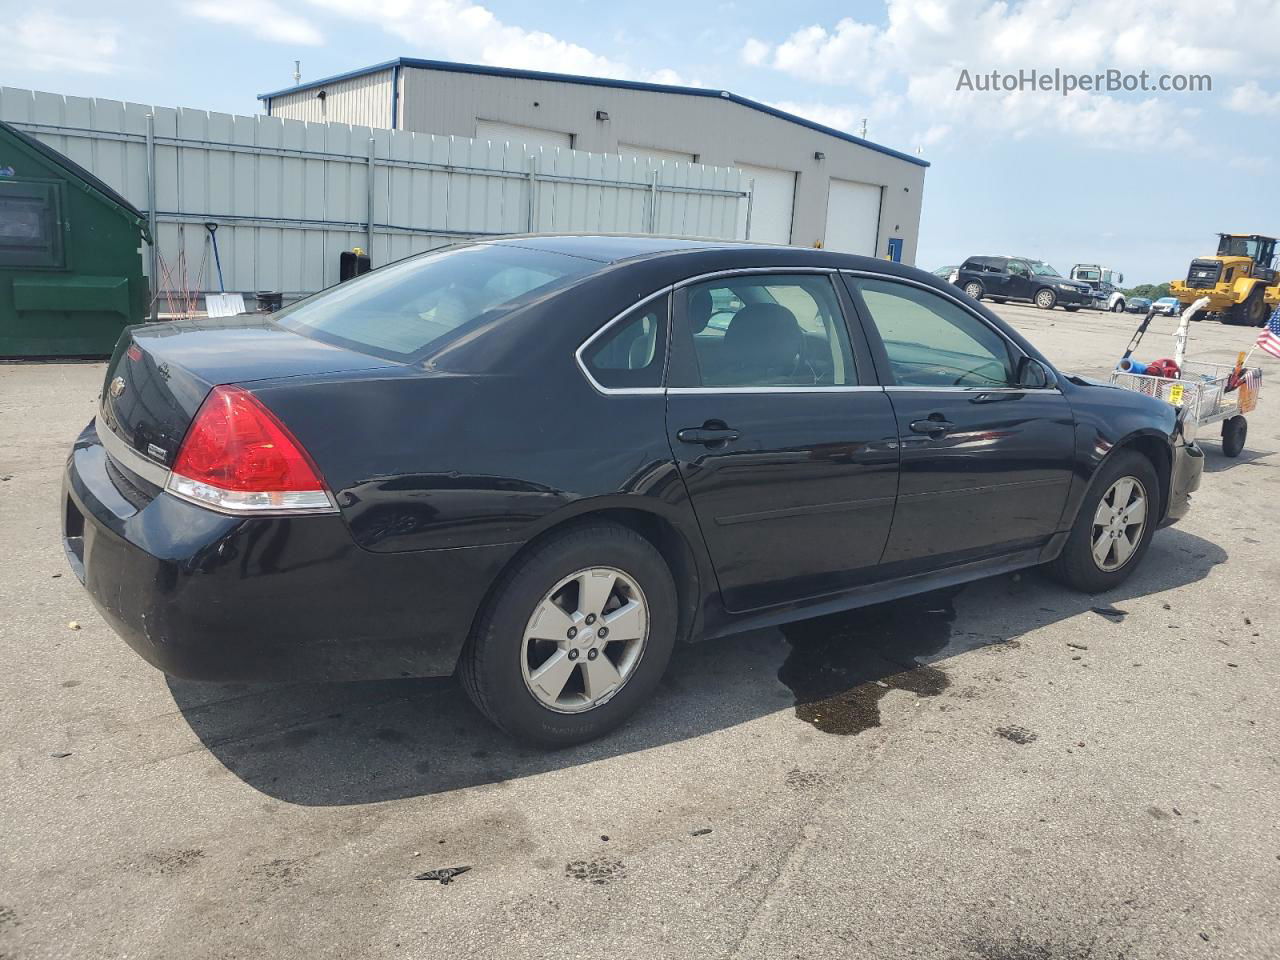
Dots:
pixel 653 202
pixel 751 195
pixel 368 242
pixel 154 268
pixel 533 193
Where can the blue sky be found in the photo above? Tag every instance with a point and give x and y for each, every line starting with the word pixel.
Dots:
pixel 1141 181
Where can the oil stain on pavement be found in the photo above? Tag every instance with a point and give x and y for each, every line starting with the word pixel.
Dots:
pixel 840 666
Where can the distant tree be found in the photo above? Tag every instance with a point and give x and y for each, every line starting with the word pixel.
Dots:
pixel 1152 291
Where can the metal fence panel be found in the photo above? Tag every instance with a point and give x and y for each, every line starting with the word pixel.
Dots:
pixel 289 196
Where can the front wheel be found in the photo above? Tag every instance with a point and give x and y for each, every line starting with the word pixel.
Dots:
pixel 1046 298
pixel 575 638
pixel 1119 307
pixel 1113 527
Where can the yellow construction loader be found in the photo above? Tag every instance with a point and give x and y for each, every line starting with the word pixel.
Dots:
pixel 1240 281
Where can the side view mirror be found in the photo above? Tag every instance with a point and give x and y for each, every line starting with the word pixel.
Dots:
pixel 1034 375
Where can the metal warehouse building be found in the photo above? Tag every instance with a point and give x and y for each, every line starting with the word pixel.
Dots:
pixel 811 183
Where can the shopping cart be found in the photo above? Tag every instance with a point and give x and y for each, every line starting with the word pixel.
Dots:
pixel 1208 392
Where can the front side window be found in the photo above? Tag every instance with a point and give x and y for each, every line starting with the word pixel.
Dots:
pixel 399 311
pixel 933 342
pixel 767 330
pixel 633 351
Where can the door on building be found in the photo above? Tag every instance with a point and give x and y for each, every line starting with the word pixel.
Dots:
pixel 853 217
pixel 532 137
pixel 771 205
pixel 895 249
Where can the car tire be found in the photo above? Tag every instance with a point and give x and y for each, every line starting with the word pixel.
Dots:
pixel 1234 431
pixel 974 289
pixel 1045 299
pixel 1077 565
pixel 498 667
pixel 1119 307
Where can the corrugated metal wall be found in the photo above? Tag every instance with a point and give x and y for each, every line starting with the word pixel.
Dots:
pixel 289 196
pixel 360 100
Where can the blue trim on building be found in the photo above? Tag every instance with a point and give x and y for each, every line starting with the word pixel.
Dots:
pixel 450 67
pixel 395 94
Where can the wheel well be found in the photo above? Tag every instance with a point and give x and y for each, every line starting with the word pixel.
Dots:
pixel 1157 451
pixel 661 533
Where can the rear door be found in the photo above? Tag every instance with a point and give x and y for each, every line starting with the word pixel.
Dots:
pixel 985 463
pixel 787 448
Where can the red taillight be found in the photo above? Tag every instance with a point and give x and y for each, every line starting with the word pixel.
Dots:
pixel 237 456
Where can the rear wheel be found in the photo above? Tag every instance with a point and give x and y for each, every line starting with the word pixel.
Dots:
pixel 1234 432
pixel 575 638
pixel 973 289
pixel 1045 298
pixel 1113 527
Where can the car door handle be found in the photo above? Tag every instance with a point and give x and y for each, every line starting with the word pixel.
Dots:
pixel 933 427
pixel 707 436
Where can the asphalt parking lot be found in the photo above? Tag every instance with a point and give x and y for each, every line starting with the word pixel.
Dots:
pixel 1009 772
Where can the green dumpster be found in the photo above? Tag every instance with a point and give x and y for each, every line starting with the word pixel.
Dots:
pixel 70 255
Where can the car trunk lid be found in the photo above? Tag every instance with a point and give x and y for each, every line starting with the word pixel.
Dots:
pixel 161 373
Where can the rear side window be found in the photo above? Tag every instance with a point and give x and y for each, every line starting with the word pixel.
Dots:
pixel 400 311
pixel 766 330
pixel 633 351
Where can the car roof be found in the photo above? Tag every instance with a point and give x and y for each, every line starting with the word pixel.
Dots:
pixel 615 247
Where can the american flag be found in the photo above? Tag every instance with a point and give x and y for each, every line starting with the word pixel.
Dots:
pixel 1269 339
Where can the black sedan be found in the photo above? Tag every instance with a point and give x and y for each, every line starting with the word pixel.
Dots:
pixel 537 462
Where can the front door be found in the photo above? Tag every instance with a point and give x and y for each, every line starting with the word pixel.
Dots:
pixel 1019 283
pixel 787 449
pixel 985 463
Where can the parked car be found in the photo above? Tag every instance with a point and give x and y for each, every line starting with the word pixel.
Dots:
pixel 1019 278
pixel 1169 306
pixel 948 274
pixel 1137 305
pixel 538 463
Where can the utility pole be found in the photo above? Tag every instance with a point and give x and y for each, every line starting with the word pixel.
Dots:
pixel 297 73
pixel 863 134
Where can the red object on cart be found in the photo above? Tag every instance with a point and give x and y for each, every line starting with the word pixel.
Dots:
pixel 1164 367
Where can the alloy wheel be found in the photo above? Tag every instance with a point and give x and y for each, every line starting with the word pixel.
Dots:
pixel 584 640
pixel 1119 523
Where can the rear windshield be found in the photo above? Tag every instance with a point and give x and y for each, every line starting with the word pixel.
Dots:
pixel 399 311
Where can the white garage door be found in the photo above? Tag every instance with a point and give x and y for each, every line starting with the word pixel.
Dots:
pixel 853 217
pixel 629 150
pixel 771 208
pixel 529 136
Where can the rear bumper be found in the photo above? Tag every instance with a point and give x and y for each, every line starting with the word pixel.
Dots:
pixel 210 597
pixel 1188 466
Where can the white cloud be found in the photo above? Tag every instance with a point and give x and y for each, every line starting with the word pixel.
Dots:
pixel 754 52
pixel 47 41
pixel 1251 98
pixel 922 46
pixel 262 18
pixel 461 30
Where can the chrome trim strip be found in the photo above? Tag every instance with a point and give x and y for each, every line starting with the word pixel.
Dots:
pixel 627 391
pixel 127 457
pixel 682 391
pixel 974 390
pixel 741 271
